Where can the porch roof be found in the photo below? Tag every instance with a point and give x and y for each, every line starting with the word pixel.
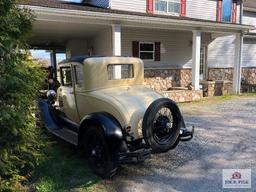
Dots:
pixel 55 8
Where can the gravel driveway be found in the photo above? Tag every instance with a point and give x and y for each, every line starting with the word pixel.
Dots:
pixel 225 138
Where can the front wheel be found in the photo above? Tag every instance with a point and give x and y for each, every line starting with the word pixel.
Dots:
pixel 101 159
pixel 161 125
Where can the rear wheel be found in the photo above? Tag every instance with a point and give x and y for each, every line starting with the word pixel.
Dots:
pixel 101 159
pixel 161 125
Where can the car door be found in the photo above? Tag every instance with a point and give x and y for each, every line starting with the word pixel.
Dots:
pixel 67 94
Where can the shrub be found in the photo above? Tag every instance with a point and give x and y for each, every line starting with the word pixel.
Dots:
pixel 20 80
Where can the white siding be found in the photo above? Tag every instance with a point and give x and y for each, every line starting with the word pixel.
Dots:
pixel 221 52
pixel 249 53
pixel 249 18
pixel 202 9
pixel 101 43
pixel 176 47
pixel 134 5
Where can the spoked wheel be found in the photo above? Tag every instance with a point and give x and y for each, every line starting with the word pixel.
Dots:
pixel 100 158
pixel 161 125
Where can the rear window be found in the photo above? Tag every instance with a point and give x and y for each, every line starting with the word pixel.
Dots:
pixel 120 71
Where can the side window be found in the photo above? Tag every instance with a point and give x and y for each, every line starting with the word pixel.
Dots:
pixel 79 80
pixel 66 76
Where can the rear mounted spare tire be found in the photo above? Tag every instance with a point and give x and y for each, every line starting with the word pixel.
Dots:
pixel 161 125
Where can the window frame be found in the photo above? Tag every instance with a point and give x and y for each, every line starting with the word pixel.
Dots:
pixel 153 51
pixel 167 8
pixel 61 76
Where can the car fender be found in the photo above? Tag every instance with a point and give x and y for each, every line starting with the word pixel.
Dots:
pixel 105 121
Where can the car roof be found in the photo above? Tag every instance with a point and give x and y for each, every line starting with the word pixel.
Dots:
pixel 78 59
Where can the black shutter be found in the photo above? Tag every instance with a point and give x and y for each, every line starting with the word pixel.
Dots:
pixel 157 51
pixel 135 48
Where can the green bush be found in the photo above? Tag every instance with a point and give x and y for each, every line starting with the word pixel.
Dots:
pixel 20 80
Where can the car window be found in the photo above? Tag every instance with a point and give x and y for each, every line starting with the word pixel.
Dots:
pixel 120 71
pixel 79 75
pixel 66 76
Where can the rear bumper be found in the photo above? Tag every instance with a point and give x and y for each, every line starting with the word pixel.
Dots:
pixel 186 134
pixel 135 156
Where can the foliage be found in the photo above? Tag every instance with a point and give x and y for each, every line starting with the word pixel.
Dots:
pixel 20 80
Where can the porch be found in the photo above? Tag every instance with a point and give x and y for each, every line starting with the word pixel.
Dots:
pixel 79 32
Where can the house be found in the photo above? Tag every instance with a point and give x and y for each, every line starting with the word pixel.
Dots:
pixel 180 41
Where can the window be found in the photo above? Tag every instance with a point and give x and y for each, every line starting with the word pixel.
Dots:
pixel 203 55
pixel 120 71
pixel 167 6
pixel 66 76
pixel 227 10
pixel 79 75
pixel 146 51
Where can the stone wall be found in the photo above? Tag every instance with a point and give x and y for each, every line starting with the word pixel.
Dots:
pixel 220 74
pixel 164 79
pixel 184 95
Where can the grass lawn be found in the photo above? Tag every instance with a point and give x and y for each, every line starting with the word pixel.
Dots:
pixel 65 169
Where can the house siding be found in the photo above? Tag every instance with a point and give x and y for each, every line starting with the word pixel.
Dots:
pixel 176 47
pixel 203 9
pixel 101 43
pixel 221 52
pixel 135 5
pixel 249 18
pixel 249 52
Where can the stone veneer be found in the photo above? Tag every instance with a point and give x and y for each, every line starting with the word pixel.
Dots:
pixel 164 79
pixel 220 82
pixel 183 95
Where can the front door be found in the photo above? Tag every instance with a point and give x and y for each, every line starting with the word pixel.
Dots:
pixel 203 63
pixel 68 102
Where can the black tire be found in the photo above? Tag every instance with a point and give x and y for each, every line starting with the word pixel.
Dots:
pixel 161 130
pixel 100 158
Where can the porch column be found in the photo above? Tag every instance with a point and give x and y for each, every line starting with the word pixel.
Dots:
pixel 196 59
pixel 238 63
pixel 116 39
pixel 53 63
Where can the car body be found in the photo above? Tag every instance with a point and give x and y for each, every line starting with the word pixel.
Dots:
pixel 108 96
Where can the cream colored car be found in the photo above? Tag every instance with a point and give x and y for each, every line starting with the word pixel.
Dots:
pixel 103 106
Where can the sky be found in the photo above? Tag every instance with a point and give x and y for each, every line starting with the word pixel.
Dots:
pixel 42 54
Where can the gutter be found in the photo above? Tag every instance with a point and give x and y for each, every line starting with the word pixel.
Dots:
pixel 125 19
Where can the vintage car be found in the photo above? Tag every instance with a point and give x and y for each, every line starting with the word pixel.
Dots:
pixel 104 107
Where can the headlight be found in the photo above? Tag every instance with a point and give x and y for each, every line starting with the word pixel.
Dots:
pixel 140 128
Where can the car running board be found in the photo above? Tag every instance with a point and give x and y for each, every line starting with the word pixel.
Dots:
pixel 51 126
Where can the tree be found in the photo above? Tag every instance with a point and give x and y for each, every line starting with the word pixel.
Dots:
pixel 20 81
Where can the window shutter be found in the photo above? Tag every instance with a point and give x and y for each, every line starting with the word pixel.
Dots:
pixel 135 48
pixel 157 51
pixel 234 11
pixel 183 8
pixel 150 6
pixel 219 10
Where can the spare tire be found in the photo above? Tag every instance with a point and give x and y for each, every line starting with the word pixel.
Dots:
pixel 161 125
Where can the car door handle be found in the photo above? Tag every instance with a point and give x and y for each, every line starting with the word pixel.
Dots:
pixel 72 92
